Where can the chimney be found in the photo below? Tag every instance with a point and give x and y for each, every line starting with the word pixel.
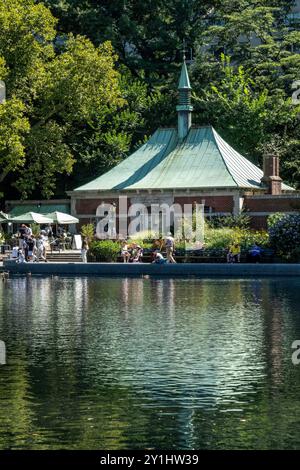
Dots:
pixel 271 176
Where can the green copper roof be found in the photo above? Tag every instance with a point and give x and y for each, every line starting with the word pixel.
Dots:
pixel 202 160
pixel 184 81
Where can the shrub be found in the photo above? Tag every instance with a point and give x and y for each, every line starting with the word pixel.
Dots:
pixel 221 238
pixel 274 218
pixel 35 229
pixel 87 231
pixel 216 238
pixel 144 236
pixel 104 250
pixel 285 236
pixel 241 221
pixel 249 237
pixel 142 243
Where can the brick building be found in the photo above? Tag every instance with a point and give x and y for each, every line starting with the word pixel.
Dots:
pixel 187 164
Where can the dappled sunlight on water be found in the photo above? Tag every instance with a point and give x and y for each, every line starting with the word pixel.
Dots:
pixel 148 363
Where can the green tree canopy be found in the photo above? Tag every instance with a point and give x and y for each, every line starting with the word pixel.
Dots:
pixel 76 109
pixel 60 92
pixel 248 98
pixel 147 35
pixel 248 118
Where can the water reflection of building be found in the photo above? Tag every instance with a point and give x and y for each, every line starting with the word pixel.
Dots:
pixel 210 331
pixel 274 311
pixel 131 292
pixel 183 347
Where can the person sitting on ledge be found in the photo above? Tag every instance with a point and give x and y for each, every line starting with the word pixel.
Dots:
pixel 159 259
pixel 125 252
pixel 136 253
pixel 14 253
pixel 234 253
pixel 21 256
pixel 255 253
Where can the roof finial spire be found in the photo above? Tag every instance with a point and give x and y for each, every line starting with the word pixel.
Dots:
pixel 184 107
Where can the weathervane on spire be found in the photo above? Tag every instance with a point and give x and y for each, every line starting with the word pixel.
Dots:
pixel 183 49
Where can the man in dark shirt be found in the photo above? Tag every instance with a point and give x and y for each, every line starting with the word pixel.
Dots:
pixel 22 231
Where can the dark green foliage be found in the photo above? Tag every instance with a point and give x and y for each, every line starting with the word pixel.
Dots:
pixel 285 236
pixel 274 218
pixel 231 221
pixel 147 35
pixel 247 61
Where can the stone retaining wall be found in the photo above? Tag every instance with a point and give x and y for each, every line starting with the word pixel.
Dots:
pixel 170 270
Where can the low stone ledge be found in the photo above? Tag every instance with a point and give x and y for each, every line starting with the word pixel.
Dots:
pixel 138 269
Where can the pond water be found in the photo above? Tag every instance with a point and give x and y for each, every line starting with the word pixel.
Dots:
pixel 111 363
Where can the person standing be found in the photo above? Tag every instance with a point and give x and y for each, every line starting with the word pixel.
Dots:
pixel 84 250
pixel 22 231
pixel 112 221
pixel 170 247
pixel 28 231
pixel 48 231
pixel 40 248
pixel 25 247
pixel 31 249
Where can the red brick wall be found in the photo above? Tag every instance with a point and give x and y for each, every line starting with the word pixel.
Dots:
pixel 83 222
pixel 218 203
pixel 269 204
pixel 272 204
pixel 89 206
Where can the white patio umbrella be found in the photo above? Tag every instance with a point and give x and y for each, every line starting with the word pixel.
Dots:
pixel 62 218
pixel 3 216
pixel 31 218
